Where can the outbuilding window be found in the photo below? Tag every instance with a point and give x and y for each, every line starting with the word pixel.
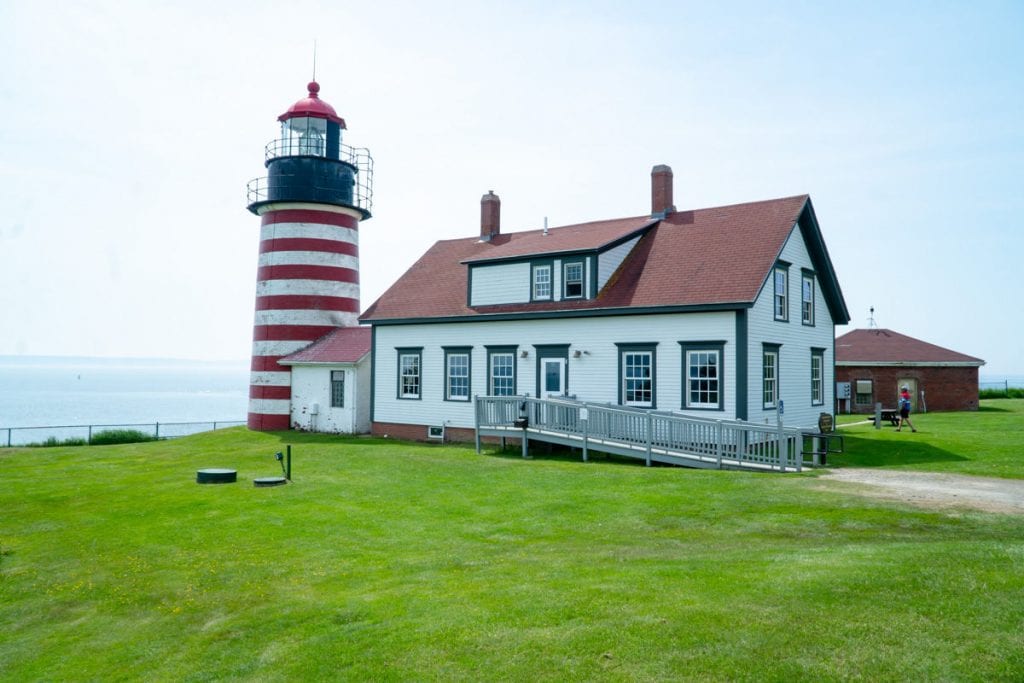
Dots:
pixel 337 388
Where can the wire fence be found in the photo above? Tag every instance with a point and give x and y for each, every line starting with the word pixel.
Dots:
pixel 1001 385
pixel 27 436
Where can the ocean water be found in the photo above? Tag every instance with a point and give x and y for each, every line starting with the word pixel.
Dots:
pixel 37 391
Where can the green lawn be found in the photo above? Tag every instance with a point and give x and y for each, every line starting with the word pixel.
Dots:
pixel 988 442
pixel 394 561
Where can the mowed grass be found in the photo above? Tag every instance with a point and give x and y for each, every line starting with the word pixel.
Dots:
pixel 395 561
pixel 989 442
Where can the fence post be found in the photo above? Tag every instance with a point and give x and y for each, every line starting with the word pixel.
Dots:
pixel 158 431
pixel 585 419
pixel 783 447
pixel 89 441
pixel 650 424
pixel 476 420
pixel 718 448
pixel 8 438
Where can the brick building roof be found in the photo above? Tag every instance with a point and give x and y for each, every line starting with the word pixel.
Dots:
pixel 707 257
pixel 343 345
pixel 881 346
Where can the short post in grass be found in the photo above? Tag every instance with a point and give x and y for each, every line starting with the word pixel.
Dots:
pixel 878 415
pixel 288 472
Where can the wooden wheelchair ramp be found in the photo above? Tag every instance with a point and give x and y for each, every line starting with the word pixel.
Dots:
pixel 646 435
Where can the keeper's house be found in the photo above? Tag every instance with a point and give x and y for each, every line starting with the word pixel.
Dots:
pixel 727 312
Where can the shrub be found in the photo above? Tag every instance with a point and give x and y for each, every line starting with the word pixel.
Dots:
pixel 113 436
pixel 1011 392
pixel 53 442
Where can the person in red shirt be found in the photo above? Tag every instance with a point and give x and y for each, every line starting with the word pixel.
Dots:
pixel 905 408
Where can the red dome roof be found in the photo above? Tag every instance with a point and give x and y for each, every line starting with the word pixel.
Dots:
pixel 312 106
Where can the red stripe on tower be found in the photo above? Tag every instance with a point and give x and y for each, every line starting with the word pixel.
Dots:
pixel 307 281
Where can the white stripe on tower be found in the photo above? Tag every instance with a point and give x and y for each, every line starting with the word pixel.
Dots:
pixel 307 284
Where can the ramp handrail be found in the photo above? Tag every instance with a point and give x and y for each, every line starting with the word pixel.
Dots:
pixel 734 441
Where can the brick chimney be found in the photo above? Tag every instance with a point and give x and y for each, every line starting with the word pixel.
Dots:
pixel 661 191
pixel 490 216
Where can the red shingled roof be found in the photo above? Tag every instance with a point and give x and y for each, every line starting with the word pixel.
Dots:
pixel 711 256
pixel 343 345
pixel 582 237
pixel 885 346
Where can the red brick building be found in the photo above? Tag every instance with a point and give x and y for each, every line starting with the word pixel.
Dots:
pixel 877 362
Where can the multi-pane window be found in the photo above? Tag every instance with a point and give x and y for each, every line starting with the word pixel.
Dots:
pixel 807 299
pixel 409 373
pixel 337 388
pixel 637 378
pixel 817 377
pixel 864 391
pixel 781 297
pixel 573 280
pixel 637 374
pixel 456 364
pixel 542 282
pixel 770 377
pixel 702 373
pixel 502 373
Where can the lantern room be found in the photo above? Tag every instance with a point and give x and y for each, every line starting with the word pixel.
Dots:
pixel 309 163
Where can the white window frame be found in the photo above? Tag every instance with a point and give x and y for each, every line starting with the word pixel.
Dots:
pixel 807 295
pixel 542 287
pixel 629 354
pixel 337 388
pixel 410 374
pixel 817 377
pixel 780 298
pixel 566 280
pixel 457 374
pixel 508 379
pixel 770 377
pixel 692 356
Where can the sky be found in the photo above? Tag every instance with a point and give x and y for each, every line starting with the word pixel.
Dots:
pixel 130 131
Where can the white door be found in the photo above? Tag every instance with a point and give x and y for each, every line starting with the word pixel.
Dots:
pixel 552 377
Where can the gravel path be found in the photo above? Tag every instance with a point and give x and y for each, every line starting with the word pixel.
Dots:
pixel 929 489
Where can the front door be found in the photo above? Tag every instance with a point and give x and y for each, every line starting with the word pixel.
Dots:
pixel 552 377
pixel 911 384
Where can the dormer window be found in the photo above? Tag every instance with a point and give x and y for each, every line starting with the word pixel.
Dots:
pixel 542 282
pixel 573 279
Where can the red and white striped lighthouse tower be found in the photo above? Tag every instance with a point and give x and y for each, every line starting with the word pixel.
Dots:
pixel 316 192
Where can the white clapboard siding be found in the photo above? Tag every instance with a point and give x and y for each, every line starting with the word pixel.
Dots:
pixel 593 376
pixel 609 261
pixel 796 339
pixel 503 283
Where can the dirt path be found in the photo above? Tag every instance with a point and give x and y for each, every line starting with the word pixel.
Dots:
pixel 929 489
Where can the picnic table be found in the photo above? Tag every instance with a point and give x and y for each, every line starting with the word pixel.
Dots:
pixel 892 415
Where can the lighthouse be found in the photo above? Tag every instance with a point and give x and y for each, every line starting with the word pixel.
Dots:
pixel 316 192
